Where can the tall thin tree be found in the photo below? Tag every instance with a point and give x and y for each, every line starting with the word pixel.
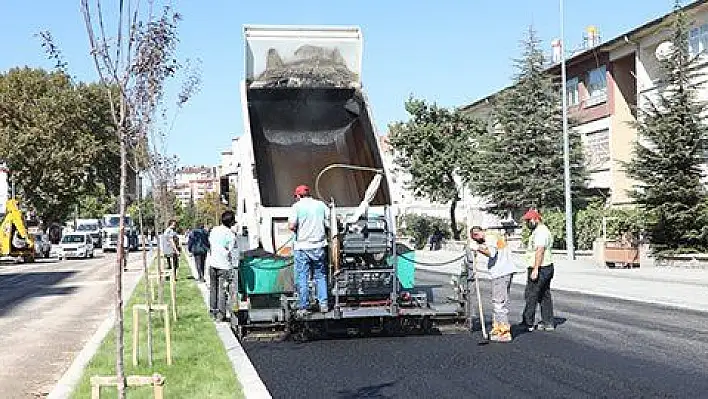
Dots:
pixel 132 60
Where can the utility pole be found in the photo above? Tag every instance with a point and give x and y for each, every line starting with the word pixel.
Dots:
pixel 566 146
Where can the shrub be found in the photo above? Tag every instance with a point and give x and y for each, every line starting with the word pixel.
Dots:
pixel 420 227
pixel 555 220
pixel 588 224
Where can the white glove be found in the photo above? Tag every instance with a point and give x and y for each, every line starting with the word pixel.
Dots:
pixel 474 246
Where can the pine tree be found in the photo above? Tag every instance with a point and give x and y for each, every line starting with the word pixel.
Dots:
pixel 523 158
pixel 670 151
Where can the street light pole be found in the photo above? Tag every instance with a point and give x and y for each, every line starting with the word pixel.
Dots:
pixel 566 145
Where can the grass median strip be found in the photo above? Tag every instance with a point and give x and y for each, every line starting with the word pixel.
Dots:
pixel 200 369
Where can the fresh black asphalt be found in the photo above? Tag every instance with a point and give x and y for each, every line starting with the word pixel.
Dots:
pixel 602 347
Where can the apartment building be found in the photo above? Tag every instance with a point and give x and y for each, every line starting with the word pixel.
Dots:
pixel 606 84
pixel 193 182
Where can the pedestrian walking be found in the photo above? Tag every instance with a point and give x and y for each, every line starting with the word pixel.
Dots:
pixel 198 246
pixel 169 247
pixel 539 261
pixel 501 268
pixel 436 239
pixel 308 220
pixel 126 251
pixel 224 258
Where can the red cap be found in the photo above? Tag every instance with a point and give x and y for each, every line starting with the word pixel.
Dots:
pixel 531 214
pixel 302 190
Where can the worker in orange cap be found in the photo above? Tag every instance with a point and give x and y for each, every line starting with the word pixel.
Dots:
pixel 539 260
pixel 308 220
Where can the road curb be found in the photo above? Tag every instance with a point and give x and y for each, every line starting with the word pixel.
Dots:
pixel 71 378
pixel 251 383
pixel 629 298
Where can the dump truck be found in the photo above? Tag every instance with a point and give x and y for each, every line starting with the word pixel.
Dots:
pixel 111 224
pixel 307 121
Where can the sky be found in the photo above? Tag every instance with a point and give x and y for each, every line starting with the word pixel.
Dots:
pixel 451 52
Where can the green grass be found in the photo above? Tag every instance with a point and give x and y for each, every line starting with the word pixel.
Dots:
pixel 200 367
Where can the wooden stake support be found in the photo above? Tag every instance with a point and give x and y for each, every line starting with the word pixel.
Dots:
pixel 164 308
pixel 154 279
pixel 157 381
pixel 173 292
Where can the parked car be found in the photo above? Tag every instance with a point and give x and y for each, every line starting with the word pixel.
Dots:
pixel 76 245
pixel 42 246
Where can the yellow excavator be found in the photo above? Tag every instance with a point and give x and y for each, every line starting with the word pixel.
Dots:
pixel 15 240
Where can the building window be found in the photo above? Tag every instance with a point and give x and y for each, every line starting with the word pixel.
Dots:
pixel 698 40
pixel 571 91
pixel 597 86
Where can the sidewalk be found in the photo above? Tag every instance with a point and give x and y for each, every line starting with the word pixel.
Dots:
pixel 683 288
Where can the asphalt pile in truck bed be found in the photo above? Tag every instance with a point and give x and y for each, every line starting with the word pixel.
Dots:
pixel 307 74
pixel 312 67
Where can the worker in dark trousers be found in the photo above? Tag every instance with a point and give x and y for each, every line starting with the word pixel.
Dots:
pixel 126 251
pixel 170 246
pixel 539 261
pixel 224 260
pixel 198 246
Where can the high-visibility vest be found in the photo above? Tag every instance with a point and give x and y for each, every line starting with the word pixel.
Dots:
pixel 530 255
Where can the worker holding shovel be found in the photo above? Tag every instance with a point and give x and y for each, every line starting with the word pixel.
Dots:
pixel 493 249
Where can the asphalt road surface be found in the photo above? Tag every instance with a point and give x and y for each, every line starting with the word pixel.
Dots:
pixel 48 311
pixel 602 348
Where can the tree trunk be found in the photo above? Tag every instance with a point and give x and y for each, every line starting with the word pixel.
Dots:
pixel 120 374
pixel 146 274
pixel 160 290
pixel 160 220
pixel 453 220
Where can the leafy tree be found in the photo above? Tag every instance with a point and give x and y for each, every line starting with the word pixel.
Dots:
pixel 671 150
pixel 97 203
pixel 187 217
pixel 57 138
pixel 431 147
pixel 209 208
pixel 147 207
pixel 522 160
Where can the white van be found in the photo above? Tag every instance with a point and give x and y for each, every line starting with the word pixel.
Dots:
pixel 76 245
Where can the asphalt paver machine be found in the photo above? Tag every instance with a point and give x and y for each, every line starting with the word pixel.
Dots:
pixel 307 121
